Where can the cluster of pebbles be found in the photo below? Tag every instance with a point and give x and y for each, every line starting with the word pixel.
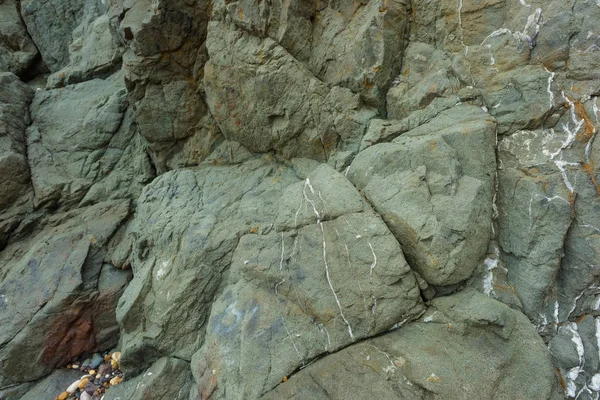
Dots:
pixel 100 372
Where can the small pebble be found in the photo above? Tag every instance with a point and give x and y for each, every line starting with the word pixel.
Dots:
pixel 90 388
pixel 75 366
pixel 86 396
pixel 114 364
pixel 104 368
pixel 115 381
pixel 74 386
pixel 116 356
pixel 96 360
pixel 92 372
pixel 63 396
pixel 83 382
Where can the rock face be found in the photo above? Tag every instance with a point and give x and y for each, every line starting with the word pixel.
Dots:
pixel 294 199
pixel 455 351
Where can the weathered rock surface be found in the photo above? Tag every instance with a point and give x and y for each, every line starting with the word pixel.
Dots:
pixel 91 153
pixel 15 180
pixel 163 67
pixel 287 181
pixel 58 294
pixel 433 188
pixel 326 240
pixel 95 49
pixel 167 378
pixel 51 24
pixel 457 350
pixel 17 50
pixel 52 385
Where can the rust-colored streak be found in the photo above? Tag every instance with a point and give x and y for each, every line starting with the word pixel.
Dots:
pixel 588 127
pixel 71 335
pixel 589 168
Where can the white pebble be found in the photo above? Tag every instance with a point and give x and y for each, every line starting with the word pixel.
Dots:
pixel 74 386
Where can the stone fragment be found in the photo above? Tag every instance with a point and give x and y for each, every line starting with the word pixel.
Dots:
pixel 73 387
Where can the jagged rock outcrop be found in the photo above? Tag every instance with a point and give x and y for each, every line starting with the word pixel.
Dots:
pixel 277 199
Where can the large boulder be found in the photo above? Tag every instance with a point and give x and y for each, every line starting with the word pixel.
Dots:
pixel 245 248
pixel 163 66
pixel 329 275
pixel 96 48
pixel 263 97
pixel 356 45
pixel 433 188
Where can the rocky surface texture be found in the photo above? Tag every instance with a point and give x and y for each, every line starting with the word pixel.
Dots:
pixel 391 199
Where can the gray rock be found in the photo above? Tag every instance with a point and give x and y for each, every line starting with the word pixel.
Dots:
pixel 416 87
pixel 248 268
pixel 15 180
pixel 167 378
pixel 458 350
pixel 51 25
pixel 15 97
pixel 164 67
pixel 91 153
pixel 357 45
pixel 17 50
pixel 290 111
pixel 574 351
pixel 96 48
pixel 50 293
pixel 186 228
pixel 434 190
pixel 53 385
pixel 176 123
pixel 329 275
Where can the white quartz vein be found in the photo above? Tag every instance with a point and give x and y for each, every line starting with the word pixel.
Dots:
pixel 374 264
pixel 331 285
